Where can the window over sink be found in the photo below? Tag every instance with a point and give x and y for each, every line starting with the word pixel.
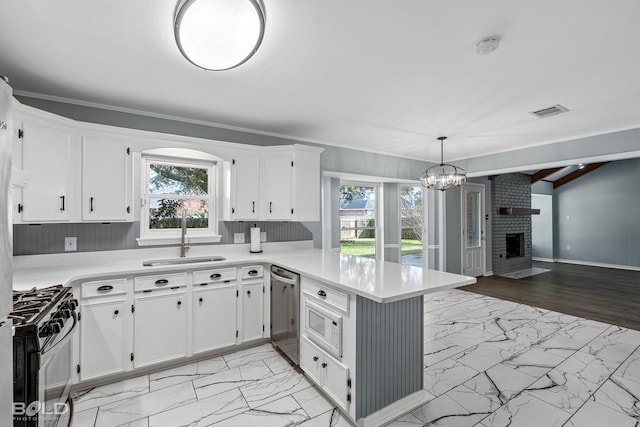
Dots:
pixel 177 185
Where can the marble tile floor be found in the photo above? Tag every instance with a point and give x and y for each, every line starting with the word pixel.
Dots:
pixel 487 362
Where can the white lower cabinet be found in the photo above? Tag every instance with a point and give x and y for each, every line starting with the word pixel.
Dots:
pixel 214 316
pixel 252 310
pixel 102 330
pixel 160 327
pixel 331 375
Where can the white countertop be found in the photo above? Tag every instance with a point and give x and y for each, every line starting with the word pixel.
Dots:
pixel 379 281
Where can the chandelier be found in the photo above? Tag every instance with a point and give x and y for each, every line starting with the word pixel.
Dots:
pixel 443 176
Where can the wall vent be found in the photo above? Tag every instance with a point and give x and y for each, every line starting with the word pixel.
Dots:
pixel 550 111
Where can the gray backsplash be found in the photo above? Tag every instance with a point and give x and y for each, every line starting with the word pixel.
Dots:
pixel 34 239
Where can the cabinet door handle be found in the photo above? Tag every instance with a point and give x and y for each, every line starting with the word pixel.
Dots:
pixel 115 313
pixel 249 293
pixel 179 303
pixel 324 365
pixel 322 293
pixel 200 300
pixel 161 282
pixel 203 284
pixel 216 276
pixel 253 207
pixel 90 204
pixel 105 288
pixel 252 272
pixel 270 205
pixel 315 358
pixel 62 198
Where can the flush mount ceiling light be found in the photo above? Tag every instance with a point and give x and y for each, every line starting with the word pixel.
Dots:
pixel 488 45
pixel 443 176
pixel 219 34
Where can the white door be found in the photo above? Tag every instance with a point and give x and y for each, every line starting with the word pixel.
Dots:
pixel 311 359
pixel 102 332
pixel 335 380
pixel 105 179
pixel 160 328
pixel 252 317
pixel 214 318
pixel 473 239
pixel 246 187
pixel 46 154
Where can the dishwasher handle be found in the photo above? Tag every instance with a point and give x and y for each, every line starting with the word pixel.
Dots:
pixel 283 279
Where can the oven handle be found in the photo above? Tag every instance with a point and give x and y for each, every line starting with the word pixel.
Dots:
pixel 62 341
pixel 283 279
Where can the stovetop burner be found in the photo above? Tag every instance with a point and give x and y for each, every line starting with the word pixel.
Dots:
pixel 29 305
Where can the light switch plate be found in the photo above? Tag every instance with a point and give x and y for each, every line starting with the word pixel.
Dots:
pixel 238 237
pixel 70 244
pixel 263 236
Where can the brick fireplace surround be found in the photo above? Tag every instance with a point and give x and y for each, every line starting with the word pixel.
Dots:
pixel 510 191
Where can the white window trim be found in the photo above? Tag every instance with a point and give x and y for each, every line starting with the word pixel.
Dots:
pixel 173 236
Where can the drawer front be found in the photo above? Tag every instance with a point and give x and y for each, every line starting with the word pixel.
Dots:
pixel 327 295
pixel 160 281
pixel 252 271
pixel 103 288
pixel 212 276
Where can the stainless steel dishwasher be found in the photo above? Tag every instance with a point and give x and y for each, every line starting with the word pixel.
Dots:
pixel 285 312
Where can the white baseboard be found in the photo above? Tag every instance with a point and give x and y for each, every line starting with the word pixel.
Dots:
pixel 598 264
pixel 543 259
pixel 395 410
pixel 488 273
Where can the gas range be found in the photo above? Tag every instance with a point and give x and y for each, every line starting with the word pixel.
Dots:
pixel 44 322
pixel 43 312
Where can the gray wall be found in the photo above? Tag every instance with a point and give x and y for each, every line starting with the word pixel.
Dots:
pixel 598 216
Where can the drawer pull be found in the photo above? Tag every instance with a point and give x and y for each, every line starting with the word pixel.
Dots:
pixel 249 293
pixel 203 284
pixel 200 300
pixel 216 276
pixel 322 293
pixel 315 358
pixel 161 282
pixel 324 365
pixel 252 272
pixel 105 288
pixel 146 291
pixel 115 313
pixel 173 288
pixel 179 303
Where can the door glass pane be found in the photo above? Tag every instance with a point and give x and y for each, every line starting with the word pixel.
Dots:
pixel 411 223
pixel 434 230
pixel 166 213
pixel 358 220
pixel 473 219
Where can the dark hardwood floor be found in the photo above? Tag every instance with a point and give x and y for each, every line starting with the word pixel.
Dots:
pixel 603 294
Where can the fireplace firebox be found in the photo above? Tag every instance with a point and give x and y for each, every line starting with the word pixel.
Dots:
pixel 515 245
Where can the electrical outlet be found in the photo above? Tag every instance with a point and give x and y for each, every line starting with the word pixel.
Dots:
pixel 70 244
pixel 263 236
pixel 238 237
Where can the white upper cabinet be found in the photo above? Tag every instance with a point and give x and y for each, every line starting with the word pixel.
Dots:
pixel 277 180
pixel 106 179
pixel 46 151
pixel 245 184
pixel 290 178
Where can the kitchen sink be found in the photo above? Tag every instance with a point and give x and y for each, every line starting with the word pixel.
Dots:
pixel 177 261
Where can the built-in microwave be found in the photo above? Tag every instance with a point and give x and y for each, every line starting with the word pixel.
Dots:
pixel 323 327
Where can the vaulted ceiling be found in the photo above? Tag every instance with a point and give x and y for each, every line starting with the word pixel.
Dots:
pixel 385 77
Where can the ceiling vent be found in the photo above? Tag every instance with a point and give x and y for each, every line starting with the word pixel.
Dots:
pixel 549 111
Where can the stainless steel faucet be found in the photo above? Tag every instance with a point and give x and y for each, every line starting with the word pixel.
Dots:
pixel 183 246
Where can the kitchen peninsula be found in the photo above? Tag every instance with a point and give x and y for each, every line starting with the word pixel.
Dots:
pixel 380 304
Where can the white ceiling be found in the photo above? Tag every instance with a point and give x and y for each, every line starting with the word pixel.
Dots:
pixel 381 76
